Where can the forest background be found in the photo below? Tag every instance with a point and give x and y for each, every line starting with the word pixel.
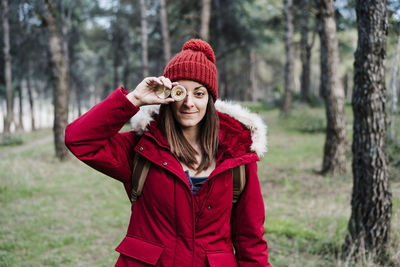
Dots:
pixel 260 48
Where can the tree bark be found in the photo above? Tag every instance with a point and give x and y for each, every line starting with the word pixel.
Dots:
pixel 116 62
pixel 30 97
pixel 394 92
pixel 289 79
pixel 334 160
pixel 61 94
pixel 145 57
pixel 205 20
pixel 346 85
pixel 371 206
pixel 76 97
pixel 305 53
pixel 253 76
pixel 7 68
pixel 221 62
pixel 20 125
pixel 165 31
pixel 66 21
pixel 126 70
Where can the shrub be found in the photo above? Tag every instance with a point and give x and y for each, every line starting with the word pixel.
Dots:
pixel 306 119
pixel 10 140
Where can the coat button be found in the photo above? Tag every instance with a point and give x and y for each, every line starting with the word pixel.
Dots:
pixel 164 163
pixel 140 148
pixel 209 207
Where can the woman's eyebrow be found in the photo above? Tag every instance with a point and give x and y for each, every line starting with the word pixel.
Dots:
pixel 198 87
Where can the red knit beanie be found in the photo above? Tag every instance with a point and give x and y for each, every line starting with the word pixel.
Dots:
pixel 195 62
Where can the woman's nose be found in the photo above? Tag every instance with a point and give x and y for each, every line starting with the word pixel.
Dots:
pixel 188 101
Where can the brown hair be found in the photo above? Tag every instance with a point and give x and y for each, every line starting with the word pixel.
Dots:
pixel 209 129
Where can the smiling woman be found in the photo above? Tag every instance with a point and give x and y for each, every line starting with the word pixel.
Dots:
pixel 192 109
pixel 185 215
pixel 195 140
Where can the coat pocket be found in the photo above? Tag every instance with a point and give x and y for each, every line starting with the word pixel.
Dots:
pixel 140 250
pixel 221 259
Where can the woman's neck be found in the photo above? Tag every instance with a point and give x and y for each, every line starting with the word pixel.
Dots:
pixel 192 135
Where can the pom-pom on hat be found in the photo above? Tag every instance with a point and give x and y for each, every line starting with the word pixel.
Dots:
pixel 195 62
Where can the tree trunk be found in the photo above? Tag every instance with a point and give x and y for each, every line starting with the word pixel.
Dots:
pixel 305 53
pixel 221 62
pixel 371 206
pixel 39 106
pixel 205 20
pixel 145 57
pixel 76 93
pixel 30 97
pixel 78 102
pixel 126 62
pixel 223 79
pixel 334 160
pixel 116 62
pixel 346 85
pixel 253 76
pixel 66 21
pixel 7 68
pixel 61 94
pixel 126 70
pixel 165 31
pixel 20 125
pixel 394 92
pixel 289 79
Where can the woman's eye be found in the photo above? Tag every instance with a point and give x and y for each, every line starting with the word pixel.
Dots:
pixel 199 94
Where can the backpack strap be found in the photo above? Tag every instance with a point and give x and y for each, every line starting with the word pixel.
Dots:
pixel 141 168
pixel 239 181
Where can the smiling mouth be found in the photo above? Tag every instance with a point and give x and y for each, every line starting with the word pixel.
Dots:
pixel 188 113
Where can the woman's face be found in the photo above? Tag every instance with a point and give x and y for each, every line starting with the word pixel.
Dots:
pixel 191 110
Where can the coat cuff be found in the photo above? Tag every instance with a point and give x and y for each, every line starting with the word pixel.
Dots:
pixel 120 95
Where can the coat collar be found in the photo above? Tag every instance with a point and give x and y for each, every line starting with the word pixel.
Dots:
pixel 241 131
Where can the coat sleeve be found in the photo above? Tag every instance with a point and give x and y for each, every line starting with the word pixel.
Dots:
pixel 247 224
pixel 94 137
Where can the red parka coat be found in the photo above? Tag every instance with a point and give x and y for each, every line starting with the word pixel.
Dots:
pixel 168 225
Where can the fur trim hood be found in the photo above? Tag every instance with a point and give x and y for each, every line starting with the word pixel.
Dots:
pixel 233 118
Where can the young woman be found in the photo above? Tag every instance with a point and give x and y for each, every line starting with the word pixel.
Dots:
pixel 185 215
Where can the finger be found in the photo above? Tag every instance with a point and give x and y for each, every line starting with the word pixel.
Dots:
pixel 166 82
pixel 156 79
pixel 169 81
pixel 169 100
pixel 175 84
pixel 151 80
pixel 165 101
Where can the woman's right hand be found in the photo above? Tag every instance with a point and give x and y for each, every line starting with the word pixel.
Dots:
pixel 144 93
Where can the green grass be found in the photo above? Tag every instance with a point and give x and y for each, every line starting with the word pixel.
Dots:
pixel 307 214
pixel 66 214
pixel 20 138
pixel 58 214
